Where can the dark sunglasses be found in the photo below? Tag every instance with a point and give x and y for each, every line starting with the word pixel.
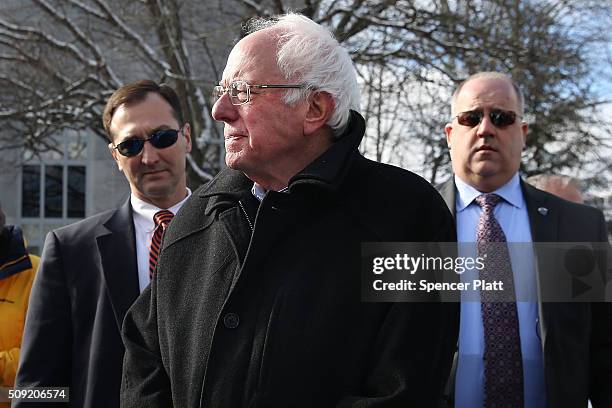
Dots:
pixel 500 118
pixel 160 140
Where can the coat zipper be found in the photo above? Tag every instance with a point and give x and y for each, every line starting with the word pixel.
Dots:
pixel 245 214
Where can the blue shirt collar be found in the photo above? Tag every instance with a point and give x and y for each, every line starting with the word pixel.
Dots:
pixel 510 192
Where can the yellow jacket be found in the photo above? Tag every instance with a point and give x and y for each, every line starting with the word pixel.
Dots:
pixel 17 271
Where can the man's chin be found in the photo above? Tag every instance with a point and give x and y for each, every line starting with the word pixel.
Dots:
pixel 485 169
pixel 157 191
pixel 234 161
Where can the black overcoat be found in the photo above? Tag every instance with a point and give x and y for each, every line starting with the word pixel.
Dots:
pixel 259 305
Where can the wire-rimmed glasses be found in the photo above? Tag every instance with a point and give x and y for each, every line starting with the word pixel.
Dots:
pixel 240 91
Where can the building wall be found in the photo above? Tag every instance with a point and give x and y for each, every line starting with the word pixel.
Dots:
pixel 108 185
pixel 9 174
pixel 105 187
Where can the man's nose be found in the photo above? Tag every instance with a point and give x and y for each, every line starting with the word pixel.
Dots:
pixel 223 110
pixel 149 155
pixel 486 128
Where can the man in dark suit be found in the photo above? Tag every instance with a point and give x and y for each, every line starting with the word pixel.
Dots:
pixel 563 350
pixel 262 265
pixel 93 270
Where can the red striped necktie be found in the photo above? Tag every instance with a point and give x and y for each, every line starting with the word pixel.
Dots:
pixel 162 219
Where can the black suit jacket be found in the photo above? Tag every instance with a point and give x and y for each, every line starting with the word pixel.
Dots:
pixel 576 337
pixel 86 282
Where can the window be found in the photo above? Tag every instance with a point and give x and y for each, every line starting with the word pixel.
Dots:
pixel 76 192
pixel 43 187
pixel 30 202
pixel 53 188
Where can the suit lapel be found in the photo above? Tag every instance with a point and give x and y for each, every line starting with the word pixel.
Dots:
pixel 117 247
pixel 448 193
pixel 543 221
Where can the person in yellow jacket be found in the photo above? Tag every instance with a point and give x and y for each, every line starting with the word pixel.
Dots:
pixel 17 271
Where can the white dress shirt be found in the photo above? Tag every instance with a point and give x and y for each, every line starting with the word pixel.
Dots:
pixel 144 226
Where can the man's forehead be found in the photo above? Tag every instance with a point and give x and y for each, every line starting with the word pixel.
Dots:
pixel 142 117
pixel 257 50
pixel 238 63
pixel 487 92
pixel 131 129
pixel 152 104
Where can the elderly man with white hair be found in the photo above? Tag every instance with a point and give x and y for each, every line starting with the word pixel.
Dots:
pixel 256 299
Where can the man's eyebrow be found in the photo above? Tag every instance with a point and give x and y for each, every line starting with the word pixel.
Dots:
pixel 148 133
pixel 161 127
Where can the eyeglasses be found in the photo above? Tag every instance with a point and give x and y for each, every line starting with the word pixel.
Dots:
pixel 159 139
pixel 240 91
pixel 500 118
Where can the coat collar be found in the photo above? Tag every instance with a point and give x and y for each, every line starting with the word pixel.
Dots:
pixel 327 171
pixel 448 191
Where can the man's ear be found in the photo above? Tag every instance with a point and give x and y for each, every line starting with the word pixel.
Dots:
pixel 320 108
pixel 187 133
pixel 114 153
pixel 448 129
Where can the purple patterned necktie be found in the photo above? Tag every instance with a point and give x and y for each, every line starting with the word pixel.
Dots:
pixel 503 362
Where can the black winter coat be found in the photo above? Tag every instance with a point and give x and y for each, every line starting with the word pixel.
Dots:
pixel 258 305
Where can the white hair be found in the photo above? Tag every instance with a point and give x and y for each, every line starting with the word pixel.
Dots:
pixel 309 54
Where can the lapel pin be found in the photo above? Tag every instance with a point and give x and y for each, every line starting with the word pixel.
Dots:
pixel 543 210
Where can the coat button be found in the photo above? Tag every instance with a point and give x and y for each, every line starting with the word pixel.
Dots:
pixel 231 320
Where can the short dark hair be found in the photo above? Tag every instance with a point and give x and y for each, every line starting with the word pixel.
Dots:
pixel 136 92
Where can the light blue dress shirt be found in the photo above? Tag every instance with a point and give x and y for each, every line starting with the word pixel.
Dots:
pixel 511 213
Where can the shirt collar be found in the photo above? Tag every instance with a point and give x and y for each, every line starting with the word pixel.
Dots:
pixel 510 192
pixel 260 193
pixel 144 212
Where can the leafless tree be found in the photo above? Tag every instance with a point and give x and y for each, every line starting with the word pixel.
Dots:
pixel 60 60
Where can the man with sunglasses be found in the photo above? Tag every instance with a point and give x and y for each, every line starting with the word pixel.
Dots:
pixel 539 353
pixel 93 270
pixel 262 266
